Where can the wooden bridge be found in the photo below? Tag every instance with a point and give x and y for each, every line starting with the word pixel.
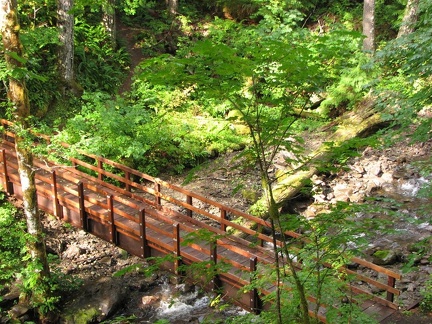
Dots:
pixel 150 217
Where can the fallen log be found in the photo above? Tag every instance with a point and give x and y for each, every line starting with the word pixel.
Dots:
pixel 352 124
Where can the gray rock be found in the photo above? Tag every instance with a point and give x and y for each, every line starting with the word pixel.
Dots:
pixel 19 310
pixel 385 257
pixel 373 168
pixel 342 191
pixel 149 300
pixel 411 287
pixel 96 302
pixel 72 252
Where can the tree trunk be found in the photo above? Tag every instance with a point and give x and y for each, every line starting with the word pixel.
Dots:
pixel 17 95
pixel 109 21
pixel 369 25
pixel 65 25
pixel 172 7
pixel 410 18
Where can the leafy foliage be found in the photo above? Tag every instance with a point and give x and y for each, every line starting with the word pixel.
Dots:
pixel 39 45
pixel 17 266
pixel 131 133
pixel 12 242
pixel 407 71
pixel 39 70
pixel 36 13
pixel 426 303
pixel 99 65
pixel 328 242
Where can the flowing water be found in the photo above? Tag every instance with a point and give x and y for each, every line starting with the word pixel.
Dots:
pixel 178 304
pixel 184 305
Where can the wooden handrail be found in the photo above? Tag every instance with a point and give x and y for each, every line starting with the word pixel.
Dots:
pixel 157 191
pixel 101 173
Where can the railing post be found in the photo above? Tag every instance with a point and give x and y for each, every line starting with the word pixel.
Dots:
pixel 83 214
pixel 189 202
pixel 143 236
pixel 177 252
pixel 255 301
pixel 100 168
pixel 127 177
pixel 215 282
pixel 158 201
pixel 391 282
pixel 8 186
pixel 223 215
pixel 112 231
pixel 259 231
pixel 56 206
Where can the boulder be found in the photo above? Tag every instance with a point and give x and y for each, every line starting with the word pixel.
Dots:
pixel 96 302
pixel 385 257
pixel 72 252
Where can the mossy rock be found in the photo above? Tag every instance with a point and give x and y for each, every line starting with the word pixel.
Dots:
pixel 95 302
pixel 250 195
pixel 235 115
pixel 385 257
pixel 240 129
pixel 83 316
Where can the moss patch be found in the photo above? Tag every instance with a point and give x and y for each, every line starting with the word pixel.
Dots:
pixel 83 316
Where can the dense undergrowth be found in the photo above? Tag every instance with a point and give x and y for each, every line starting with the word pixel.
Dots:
pixel 199 65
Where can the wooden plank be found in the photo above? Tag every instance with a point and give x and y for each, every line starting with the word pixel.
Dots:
pixel 111 175
pixel 127 225
pixel 232 239
pixel 379 312
pixel 56 205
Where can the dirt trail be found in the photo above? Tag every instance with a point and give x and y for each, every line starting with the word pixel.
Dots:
pixel 129 36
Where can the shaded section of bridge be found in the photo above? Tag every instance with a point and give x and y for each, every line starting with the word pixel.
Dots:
pixel 150 217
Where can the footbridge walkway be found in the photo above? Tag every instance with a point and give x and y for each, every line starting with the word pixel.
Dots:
pixel 149 217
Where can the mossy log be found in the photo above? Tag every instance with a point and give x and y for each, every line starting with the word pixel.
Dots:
pixel 358 122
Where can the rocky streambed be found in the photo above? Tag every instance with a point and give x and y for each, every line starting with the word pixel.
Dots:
pixel 397 181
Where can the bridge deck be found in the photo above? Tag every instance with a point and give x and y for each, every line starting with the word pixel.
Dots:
pixel 149 217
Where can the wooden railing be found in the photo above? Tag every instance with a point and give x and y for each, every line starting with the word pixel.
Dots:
pixel 130 204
